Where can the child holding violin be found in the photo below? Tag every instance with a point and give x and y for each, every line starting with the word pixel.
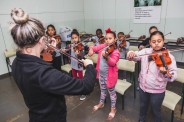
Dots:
pixel 158 67
pixel 77 51
pixel 107 71
pixel 145 43
pixel 56 40
pixel 123 45
pixel 99 38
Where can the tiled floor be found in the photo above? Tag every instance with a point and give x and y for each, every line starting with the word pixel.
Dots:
pixel 13 109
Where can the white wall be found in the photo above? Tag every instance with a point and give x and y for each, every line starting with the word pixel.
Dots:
pixel 118 14
pixel 57 12
pixel 88 15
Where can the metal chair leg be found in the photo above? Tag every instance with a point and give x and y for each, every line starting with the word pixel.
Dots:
pixel 182 100
pixel 134 85
pixel 7 63
pixel 122 102
pixel 172 116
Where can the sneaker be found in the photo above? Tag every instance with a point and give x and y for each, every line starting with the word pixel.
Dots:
pixel 82 97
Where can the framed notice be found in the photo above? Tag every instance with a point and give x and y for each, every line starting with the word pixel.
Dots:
pixel 147 11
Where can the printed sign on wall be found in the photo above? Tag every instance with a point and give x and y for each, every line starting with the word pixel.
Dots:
pixel 147 11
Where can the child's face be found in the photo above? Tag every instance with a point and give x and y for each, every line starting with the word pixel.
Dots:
pixel 51 31
pixel 120 37
pixel 157 42
pixel 109 38
pixel 75 38
pixel 98 34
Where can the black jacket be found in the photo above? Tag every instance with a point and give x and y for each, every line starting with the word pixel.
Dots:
pixel 44 87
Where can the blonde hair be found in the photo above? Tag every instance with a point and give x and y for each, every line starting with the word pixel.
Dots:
pixel 26 31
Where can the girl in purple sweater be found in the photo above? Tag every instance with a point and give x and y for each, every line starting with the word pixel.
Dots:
pixel 153 79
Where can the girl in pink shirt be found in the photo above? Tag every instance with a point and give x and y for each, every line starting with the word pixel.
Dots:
pixel 153 79
pixel 107 71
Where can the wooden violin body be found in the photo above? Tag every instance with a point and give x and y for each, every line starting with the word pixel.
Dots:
pixel 109 50
pixel 78 47
pixel 162 59
pixel 47 54
pixel 122 44
pixel 58 41
pixel 142 37
pixel 180 40
pixel 101 40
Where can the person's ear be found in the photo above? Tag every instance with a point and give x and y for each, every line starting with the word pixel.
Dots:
pixel 42 40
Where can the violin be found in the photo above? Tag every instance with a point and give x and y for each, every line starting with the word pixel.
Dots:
pixel 110 49
pixel 128 35
pixel 180 40
pixel 47 54
pixel 79 47
pixel 101 40
pixel 122 44
pixel 64 53
pixel 58 41
pixel 162 59
pixel 142 37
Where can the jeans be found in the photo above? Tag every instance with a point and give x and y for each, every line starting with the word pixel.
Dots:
pixel 155 100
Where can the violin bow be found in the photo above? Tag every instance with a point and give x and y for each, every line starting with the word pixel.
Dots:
pixel 60 50
pixel 130 32
pixel 167 34
pixel 175 50
pixel 78 43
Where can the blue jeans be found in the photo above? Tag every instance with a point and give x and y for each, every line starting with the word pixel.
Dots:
pixel 155 100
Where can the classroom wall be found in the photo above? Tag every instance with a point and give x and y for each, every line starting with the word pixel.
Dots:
pixel 118 14
pixel 88 15
pixel 57 12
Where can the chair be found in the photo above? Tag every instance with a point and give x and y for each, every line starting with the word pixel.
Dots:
pixel 171 99
pixel 9 55
pixel 123 85
pixel 133 48
pixel 90 44
pixel 67 68
pixel 94 58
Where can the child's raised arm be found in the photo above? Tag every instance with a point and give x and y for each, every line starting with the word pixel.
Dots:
pixel 135 55
pixel 97 48
pixel 112 60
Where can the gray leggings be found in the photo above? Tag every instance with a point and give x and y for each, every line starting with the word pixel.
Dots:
pixel 112 93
